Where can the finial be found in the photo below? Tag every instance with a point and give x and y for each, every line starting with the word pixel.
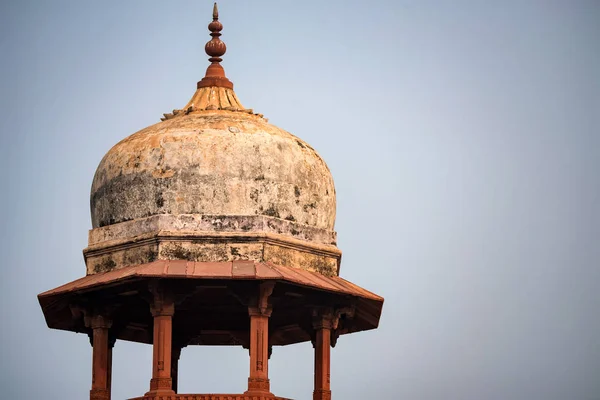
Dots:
pixel 215 48
pixel 215 12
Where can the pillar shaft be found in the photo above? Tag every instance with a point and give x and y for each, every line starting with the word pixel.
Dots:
pixel 259 347
pixel 258 381
pixel 162 311
pixel 100 358
pixel 109 372
pixel 322 389
pixel 175 367
pixel 324 322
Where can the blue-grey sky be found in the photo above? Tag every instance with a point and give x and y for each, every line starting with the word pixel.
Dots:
pixel 463 137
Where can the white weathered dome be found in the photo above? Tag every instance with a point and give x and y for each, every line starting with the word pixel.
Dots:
pixel 214 158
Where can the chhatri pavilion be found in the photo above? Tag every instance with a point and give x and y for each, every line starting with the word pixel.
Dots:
pixel 211 228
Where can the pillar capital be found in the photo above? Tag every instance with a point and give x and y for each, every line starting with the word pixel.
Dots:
pixel 162 309
pixel 96 321
pixel 332 319
pixel 324 318
pixel 96 317
pixel 161 302
pixel 257 312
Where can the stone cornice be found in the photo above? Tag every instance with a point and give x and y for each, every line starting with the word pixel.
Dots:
pixel 211 237
pixel 196 224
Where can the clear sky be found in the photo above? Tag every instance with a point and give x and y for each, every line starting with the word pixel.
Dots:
pixel 463 137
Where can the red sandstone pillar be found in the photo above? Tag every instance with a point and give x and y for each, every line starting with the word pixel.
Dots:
pixel 323 324
pixel 109 371
pixel 175 366
pixel 162 310
pixel 258 382
pixel 100 358
pixel 111 344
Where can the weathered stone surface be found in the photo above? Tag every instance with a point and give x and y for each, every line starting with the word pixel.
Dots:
pixel 213 163
pixel 212 238
pixel 212 246
pixel 213 182
pixel 196 224
pixel 314 261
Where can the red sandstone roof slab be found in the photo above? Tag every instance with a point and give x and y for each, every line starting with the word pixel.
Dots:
pixel 284 272
pixel 243 269
pixel 246 270
pixel 267 272
pixel 212 270
pixel 177 269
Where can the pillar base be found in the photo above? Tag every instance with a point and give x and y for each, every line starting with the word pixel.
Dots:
pixel 258 386
pixel 322 394
pixel 162 386
pixel 99 394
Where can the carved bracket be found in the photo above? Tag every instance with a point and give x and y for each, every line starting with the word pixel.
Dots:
pixel 260 305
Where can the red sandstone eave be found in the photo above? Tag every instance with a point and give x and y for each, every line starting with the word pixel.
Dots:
pixel 247 270
pixel 55 303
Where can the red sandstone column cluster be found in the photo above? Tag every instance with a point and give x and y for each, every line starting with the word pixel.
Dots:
pixel 166 353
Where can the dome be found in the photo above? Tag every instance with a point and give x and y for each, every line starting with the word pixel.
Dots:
pixel 213 158
pixel 213 182
pixel 213 162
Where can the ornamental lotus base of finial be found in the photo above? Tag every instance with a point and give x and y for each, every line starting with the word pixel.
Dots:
pixel 217 81
pixel 211 107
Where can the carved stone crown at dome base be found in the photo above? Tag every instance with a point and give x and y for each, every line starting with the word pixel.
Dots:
pixel 210 238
